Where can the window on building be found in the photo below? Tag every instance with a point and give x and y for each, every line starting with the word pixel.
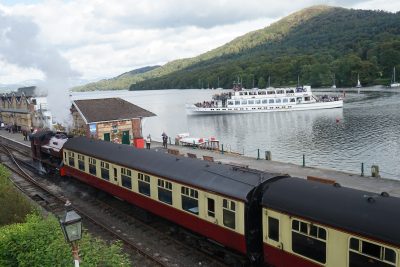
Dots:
pixel 164 191
pixel 126 178
pixel 105 170
pixel 273 229
pixel 81 162
pixel 309 240
pixel 363 253
pixel 190 200
pixel 92 166
pixel 144 184
pixel 228 213
pixel 71 159
pixel 211 207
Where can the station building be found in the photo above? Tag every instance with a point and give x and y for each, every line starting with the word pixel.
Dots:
pixel 109 119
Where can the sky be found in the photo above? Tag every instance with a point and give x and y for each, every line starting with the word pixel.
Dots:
pixel 77 41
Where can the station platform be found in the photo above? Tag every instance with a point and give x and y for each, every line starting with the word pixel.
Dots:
pixel 356 181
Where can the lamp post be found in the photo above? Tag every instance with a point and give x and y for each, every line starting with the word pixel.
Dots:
pixel 71 225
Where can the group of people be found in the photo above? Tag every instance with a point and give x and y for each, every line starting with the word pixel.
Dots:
pixel 164 140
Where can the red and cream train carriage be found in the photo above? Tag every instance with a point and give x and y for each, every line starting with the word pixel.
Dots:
pixel 211 199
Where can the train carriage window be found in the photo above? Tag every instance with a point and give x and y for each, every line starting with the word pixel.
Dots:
pixel 228 213
pixel 92 166
pixel 105 170
pixel 81 162
pixel 211 207
pixel 71 158
pixel 309 240
pixel 144 184
pixel 190 201
pixel 363 253
pixel 126 178
pixel 273 229
pixel 164 191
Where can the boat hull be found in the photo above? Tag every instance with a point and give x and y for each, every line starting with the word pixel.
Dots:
pixel 193 110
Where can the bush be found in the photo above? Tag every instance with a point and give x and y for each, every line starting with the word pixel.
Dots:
pixel 14 206
pixel 40 242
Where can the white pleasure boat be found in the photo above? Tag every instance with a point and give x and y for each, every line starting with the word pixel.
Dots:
pixel 264 100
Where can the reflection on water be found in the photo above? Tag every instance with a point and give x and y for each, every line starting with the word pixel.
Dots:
pixel 365 130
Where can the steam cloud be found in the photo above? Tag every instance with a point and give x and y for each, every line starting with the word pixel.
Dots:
pixel 20 45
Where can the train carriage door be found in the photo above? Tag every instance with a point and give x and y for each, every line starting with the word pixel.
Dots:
pixel 210 208
pixel 115 176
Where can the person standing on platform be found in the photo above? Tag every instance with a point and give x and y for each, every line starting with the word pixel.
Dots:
pixel 164 139
pixel 148 141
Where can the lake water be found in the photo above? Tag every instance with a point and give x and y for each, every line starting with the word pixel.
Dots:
pixel 365 130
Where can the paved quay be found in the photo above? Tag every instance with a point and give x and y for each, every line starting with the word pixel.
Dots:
pixel 356 181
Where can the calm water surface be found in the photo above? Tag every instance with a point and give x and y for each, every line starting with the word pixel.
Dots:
pixel 365 130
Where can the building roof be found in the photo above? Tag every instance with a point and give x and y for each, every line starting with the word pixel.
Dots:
pixel 109 109
pixel 368 214
pixel 210 176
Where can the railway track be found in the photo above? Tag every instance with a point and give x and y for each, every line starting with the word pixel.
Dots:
pixel 54 203
pixel 131 228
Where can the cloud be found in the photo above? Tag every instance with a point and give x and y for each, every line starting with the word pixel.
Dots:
pixel 101 38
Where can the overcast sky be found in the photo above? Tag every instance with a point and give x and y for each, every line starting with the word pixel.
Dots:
pixel 88 40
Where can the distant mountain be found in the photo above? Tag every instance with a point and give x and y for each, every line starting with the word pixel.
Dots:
pixel 314 43
pixel 120 82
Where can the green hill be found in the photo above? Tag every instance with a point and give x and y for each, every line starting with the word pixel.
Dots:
pixel 314 43
pixel 120 82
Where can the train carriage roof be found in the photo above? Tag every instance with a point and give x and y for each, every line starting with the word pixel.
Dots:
pixel 223 179
pixel 365 213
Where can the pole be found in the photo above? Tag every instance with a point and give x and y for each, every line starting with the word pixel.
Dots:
pixel 258 153
pixel 222 148
pixel 75 253
pixel 362 168
pixel 304 160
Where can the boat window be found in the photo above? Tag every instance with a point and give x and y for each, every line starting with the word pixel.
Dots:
pixel 237 102
pixel 241 93
pixel 362 253
pixel 271 101
pixel 307 98
pixel 270 92
pixel 262 92
pixel 265 101
pixel 293 100
pixel 244 102
pixel 280 92
pixel 230 102
pixel 258 101
pixel 285 100
pixel 245 93
pixel 291 91
pixel 309 240
pixel 251 102
pixel 278 100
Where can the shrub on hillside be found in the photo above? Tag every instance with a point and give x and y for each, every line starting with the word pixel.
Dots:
pixel 40 242
pixel 14 206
